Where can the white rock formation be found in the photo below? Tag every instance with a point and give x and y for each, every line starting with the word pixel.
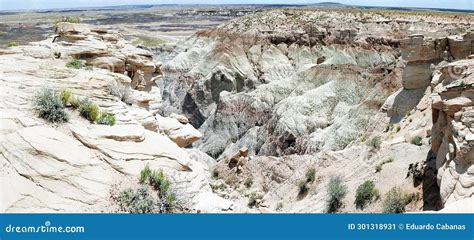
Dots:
pixel 73 167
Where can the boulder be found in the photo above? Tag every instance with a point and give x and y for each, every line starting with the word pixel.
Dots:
pixel 181 118
pixel 182 134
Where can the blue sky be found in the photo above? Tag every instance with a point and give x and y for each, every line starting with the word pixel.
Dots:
pixel 50 4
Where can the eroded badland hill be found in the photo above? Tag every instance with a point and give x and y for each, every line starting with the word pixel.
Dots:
pixel 286 110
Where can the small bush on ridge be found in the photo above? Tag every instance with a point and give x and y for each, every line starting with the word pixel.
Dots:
pixel 158 181
pixel 416 140
pixel 49 106
pixel 11 44
pixel 136 201
pixel 75 103
pixel 65 95
pixel 88 110
pixel 75 63
pixel 145 174
pixel 106 118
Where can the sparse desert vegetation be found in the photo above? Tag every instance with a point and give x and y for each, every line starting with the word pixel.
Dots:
pixel 396 200
pixel 365 194
pixel 11 44
pixel 48 106
pixel 136 200
pixel 236 109
pixel 336 190
pixel 148 41
pixel 379 166
pixel 89 110
pixel 375 142
pixel 154 193
pixel 75 63
pixel 416 140
pixel 254 199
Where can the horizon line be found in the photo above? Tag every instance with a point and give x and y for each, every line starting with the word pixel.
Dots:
pixel 231 4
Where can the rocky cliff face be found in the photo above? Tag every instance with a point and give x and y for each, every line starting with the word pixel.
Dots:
pixel 75 166
pixel 453 133
pixel 443 65
pixel 241 113
pixel 298 89
pixel 317 84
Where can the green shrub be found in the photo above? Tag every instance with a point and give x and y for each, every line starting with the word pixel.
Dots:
pixel 394 201
pixel 75 63
pixel 365 193
pixel 136 201
pixel 411 197
pixel 11 44
pixel 159 182
pixel 279 206
pixel 215 173
pixel 49 106
pixel 397 128
pixel 336 192
pixel 416 140
pixel 379 166
pixel 89 110
pixel 375 142
pixel 248 182
pixel 69 19
pixel 106 118
pixel 311 175
pixel 168 202
pixel 218 186
pixel 65 95
pixel 254 198
pixel 75 103
pixel 303 188
pixel 145 174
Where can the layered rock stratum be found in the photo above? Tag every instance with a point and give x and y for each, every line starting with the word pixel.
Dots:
pixel 305 89
pixel 246 109
pixel 73 167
